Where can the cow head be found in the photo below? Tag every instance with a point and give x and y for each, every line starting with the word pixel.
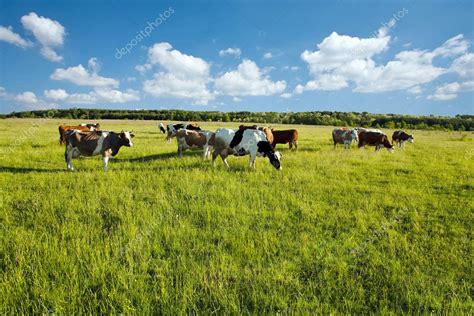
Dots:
pixel 386 144
pixel 126 138
pixel 354 134
pixel 274 156
pixel 411 139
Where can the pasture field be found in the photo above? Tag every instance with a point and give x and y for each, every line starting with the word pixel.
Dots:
pixel 333 232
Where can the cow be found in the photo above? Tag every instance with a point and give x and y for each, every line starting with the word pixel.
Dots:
pixel 64 128
pixel 162 128
pixel 289 137
pixel 238 138
pixel 173 128
pixel 92 127
pixel 94 143
pixel 400 137
pixel 344 136
pixel 188 139
pixel 253 142
pixel 363 129
pixel 376 139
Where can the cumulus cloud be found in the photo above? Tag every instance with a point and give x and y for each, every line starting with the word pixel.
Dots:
pixel 49 33
pixel 181 75
pixel 248 80
pixel 286 95
pixel 450 91
pixel 341 60
pixel 7 35
pixel 84 77
pixel 116 96
pixel 26 97
pixel 98 95
pixel 230 51
pixel 57 95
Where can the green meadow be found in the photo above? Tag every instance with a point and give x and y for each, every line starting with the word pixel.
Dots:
pixel 334 232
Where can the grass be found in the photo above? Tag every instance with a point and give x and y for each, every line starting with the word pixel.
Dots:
pixel 333 232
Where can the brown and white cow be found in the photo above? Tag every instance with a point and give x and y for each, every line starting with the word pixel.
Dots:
pixel 173 128
pixel 289 137
pixel 64 128
pixel 95 143
pixel 344 136
pixel 379 140
pixel 400 137
pixel 195 140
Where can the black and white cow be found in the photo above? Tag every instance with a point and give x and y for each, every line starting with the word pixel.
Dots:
pixel 401 137
pixel 95 143
pixel 162 128
pixel 252 142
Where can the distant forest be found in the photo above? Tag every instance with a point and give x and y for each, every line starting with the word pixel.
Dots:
pixel 364 119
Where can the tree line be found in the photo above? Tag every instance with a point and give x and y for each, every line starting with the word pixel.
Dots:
pixel 364 119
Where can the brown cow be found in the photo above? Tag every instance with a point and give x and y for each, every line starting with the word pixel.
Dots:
pixel 64 128
pixel 376 139
pixel 289 137
pixel 195 140
pixel 401 137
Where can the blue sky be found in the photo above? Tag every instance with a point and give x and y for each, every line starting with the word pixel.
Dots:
pixel 409 57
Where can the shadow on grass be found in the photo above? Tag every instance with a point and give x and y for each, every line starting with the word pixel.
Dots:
pixel 163 156
pixel 28 170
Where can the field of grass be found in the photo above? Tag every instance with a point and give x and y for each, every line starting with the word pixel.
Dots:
pixel 333 232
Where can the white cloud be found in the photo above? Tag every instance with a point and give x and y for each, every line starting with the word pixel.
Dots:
pixel 454 46
pixel 230 51
pixel 57 95
pixel 450 91
pixel 170 85
pixel 131 79
pixel 267 55
pixel 98 95
pixel 183 76
pixel 7 35
pixel 3 92
pixel 26 97
pixel 341 59
pixel 415 90
pixel 84 77
pixel 286 95
pixel 143 68
pixel 116 96
pixel 248 79
pixel 464 66
pixel 49 33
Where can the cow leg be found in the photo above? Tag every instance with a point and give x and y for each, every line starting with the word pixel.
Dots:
pixel 296 145
pixel 252 161
pixel 214 156
pixel 180 150
pixel 206 152
pixel 106 163
pixel 224 159
pixel 68 156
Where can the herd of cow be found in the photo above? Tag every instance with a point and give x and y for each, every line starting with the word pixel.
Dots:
pixel 90 140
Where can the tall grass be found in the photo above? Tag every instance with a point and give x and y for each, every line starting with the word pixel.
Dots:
pixel 333 232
